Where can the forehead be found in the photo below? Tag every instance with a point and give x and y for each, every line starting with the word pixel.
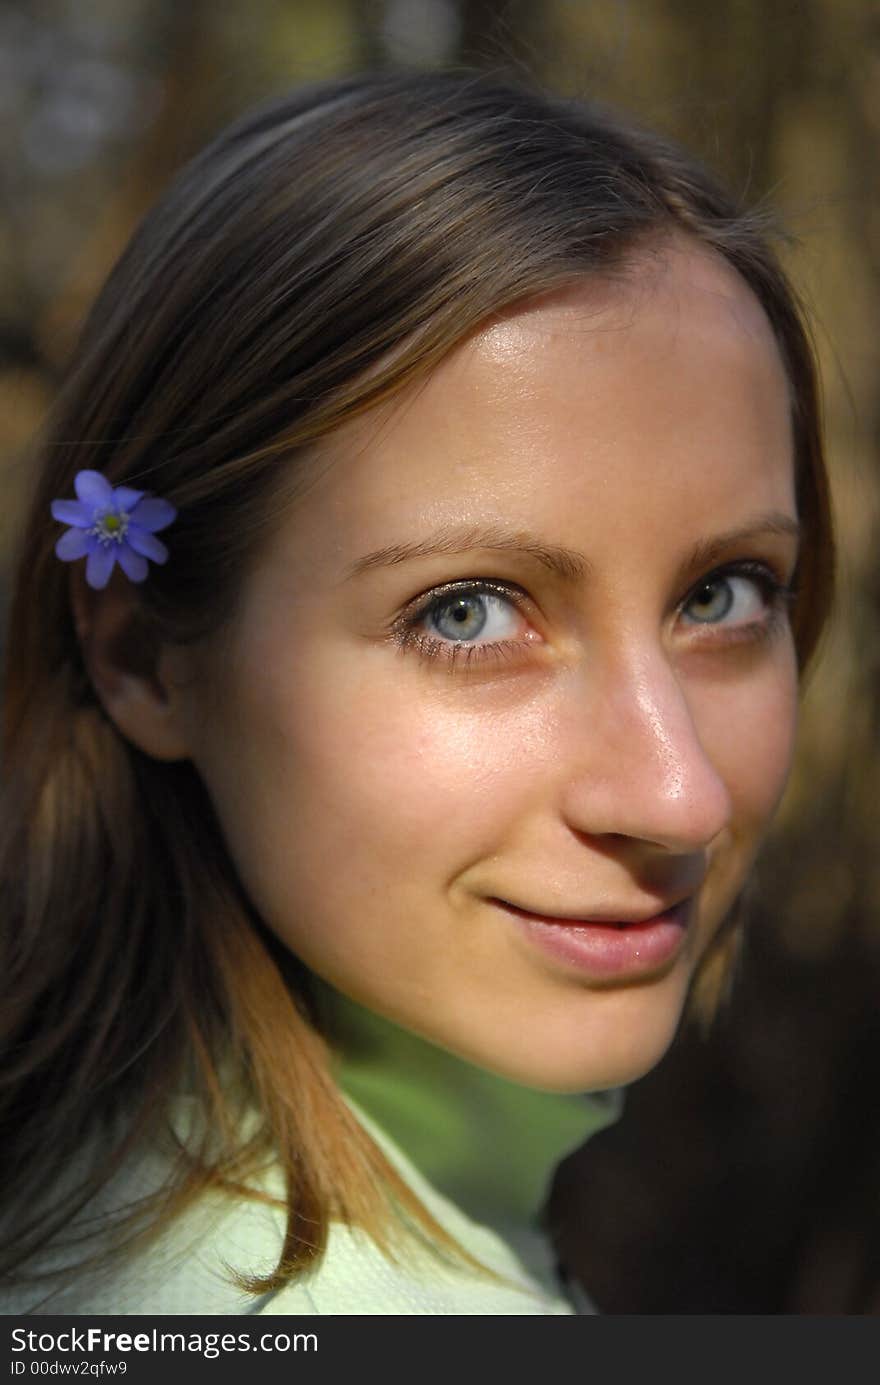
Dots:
pixel 605 382
pixel 672 286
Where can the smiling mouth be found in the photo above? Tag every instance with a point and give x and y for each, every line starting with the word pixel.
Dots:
pixel 672 913
pixel 608 948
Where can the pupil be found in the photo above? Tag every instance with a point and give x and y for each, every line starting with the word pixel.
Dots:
pixel 463 615
pixel 715 599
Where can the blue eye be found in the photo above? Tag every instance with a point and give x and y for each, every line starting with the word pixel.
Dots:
pixel 465 616
pixel 732 598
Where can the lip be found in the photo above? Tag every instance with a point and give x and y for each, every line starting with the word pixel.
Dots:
pixel 610 947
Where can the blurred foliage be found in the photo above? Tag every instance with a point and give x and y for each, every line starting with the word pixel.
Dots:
pixel 744 1176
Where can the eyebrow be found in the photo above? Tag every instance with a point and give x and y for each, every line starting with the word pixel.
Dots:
pixel 707 551
pixel 456 538
pixel 565 563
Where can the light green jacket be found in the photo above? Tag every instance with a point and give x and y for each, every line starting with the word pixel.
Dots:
pixel 477 1150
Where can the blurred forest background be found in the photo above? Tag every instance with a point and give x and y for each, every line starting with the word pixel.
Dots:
pixel 745 1175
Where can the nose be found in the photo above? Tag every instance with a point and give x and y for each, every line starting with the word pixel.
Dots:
pixel 641 768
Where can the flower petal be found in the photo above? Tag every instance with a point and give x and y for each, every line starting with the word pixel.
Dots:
pixel 153 514
pixel 94 489
pixel 76 543
pixel 72 512
pixel 133 565
pixel 145 543
pixel 125 499
pixel 100 565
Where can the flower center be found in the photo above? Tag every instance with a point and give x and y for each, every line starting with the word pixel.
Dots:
pixel 110 527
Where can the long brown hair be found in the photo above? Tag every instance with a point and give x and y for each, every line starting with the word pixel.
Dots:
pixel 319 255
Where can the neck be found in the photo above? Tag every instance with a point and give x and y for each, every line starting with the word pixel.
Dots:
pixel 488 1144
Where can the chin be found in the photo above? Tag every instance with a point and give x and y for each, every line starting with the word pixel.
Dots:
pixel 618 1037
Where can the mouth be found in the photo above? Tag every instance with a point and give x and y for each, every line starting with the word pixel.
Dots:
pixel 608 945
pixel 576 919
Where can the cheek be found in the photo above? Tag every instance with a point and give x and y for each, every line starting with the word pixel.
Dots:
pixel 411 769
pixel 357 778
pixel 748 731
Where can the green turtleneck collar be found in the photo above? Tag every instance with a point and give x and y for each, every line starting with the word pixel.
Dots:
pixel 489 1145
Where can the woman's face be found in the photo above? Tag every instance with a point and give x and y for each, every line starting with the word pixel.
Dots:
pixel 509 699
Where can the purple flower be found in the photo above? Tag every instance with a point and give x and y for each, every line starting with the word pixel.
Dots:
pixel 110 526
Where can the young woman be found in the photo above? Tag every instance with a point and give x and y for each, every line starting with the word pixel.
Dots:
pixel 402 676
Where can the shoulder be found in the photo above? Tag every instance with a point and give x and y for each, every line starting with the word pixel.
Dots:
pixel 355 1277
pixel 194 1266
pixel 190 1266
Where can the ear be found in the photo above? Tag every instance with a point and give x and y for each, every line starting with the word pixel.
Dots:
pixel 137 681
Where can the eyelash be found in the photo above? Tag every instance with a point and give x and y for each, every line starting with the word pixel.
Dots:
pixel 456 652
pixel 778 596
